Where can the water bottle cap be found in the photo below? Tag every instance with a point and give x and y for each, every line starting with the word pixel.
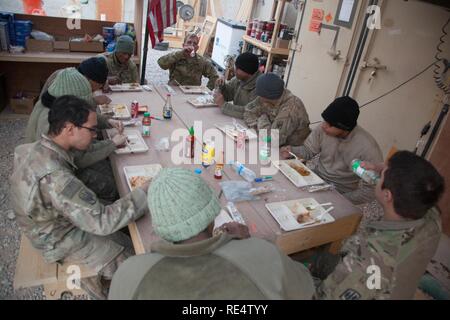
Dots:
pixel 146 114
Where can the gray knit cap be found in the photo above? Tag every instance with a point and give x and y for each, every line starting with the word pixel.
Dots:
pixel 269 86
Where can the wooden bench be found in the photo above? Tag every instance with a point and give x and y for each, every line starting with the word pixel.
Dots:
pixel 32 270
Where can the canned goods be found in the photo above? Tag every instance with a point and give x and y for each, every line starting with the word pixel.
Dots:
pixel 134 109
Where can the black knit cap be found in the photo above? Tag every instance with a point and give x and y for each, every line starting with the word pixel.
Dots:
pixel 342 113
pixel 247 62
pixel 94 69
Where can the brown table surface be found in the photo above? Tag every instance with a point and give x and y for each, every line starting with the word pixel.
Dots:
pixel 259 220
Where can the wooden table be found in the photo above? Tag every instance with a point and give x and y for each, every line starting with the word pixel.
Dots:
pixel 259 220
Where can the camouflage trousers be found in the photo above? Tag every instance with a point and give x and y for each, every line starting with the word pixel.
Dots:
pixel 100 180
pixel 105 255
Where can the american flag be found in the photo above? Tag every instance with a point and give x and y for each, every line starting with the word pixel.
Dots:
pixel 160 15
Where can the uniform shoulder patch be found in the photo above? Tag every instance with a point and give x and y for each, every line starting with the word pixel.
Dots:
pixel 87 196
pixel 350 294
pixel 71 188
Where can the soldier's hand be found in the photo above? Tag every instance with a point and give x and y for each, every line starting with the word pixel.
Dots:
pixel 236 229
pixel 102 99
pixel 285 152
pixel 220 82
pixel 219 99
pixel 377 167
pixel 119 140
pixel 106 88
pixel 145 186
pixel 117 124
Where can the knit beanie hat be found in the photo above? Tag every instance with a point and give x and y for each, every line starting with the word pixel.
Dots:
pixel 70 81
pixel 342 113
pixel 269 86
pixel 247 62
pixel 94 68
pixel 181 204
pixel 125 44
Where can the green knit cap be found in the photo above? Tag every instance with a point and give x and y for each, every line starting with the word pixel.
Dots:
pixel 125 44
pixel 70 81
pixel 181 204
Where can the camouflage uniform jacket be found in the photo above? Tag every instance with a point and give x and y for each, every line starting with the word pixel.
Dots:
pixel 99 150
pixel 335 160
pixel 238 94
pixel 400 250
pixel 215 268
pixel 127 73
pixel 288 116
pixel 188 70
pixel 58 213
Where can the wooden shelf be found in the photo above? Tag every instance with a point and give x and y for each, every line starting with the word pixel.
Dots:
pixel 269 47
pixel 51 57
pixel 265 46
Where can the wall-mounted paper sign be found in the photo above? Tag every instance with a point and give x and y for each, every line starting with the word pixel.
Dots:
pixel 346 13
pixel 317 14
pixel 315 26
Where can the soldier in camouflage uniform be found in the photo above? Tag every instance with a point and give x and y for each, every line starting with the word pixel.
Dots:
pixel 61 216
pixel 387 258
pixel 278 108
pixel 93 166
pixel 241 90
pixel 121 69
pixel 94 70
pixel 185 69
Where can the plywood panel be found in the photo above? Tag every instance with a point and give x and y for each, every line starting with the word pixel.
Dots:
pixel 31 269
pixel 111 10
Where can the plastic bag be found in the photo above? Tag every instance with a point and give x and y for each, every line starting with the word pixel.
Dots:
pixel 120 28
pixel 163 144
pixel 40 35
pixel 236 191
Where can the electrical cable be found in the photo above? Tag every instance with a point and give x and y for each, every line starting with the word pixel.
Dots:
pixel 438 75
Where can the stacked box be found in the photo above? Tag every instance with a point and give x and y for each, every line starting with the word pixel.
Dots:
pixel 9 17
pixel 4 36
pixel 23 30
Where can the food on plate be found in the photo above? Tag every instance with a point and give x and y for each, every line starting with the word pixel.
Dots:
pixel 142 109
pixel 304 218
pixel 301 170
pixel 138 181
pixel 298 208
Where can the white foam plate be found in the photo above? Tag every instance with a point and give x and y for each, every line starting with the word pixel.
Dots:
pixel 125 87
pixel 148 171
pixel 296 178
pixel 231 131
pixel 136 143
pixel 118 111
pixel 286 213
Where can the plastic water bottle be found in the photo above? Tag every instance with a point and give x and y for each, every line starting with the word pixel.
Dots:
pixel 264 150
pixel 243 171
pixel 368 176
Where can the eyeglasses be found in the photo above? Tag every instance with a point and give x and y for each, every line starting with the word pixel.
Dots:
pixel 93 130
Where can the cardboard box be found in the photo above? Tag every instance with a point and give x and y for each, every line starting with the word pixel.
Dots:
pixel 39 45
pixel 61 43
pixel 284 44
pixel 25 104
pixel 84 46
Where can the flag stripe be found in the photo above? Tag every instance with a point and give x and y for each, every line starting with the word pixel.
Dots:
pixel 160 15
